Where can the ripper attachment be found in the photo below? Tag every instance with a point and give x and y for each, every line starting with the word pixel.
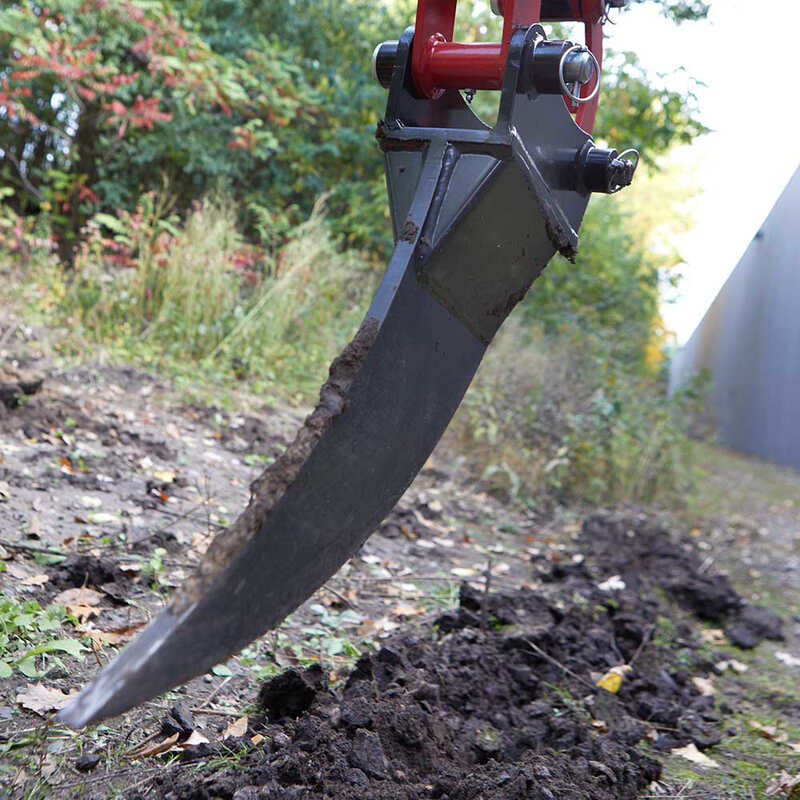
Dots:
pixel 478 212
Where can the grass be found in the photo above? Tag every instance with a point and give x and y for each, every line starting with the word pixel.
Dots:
pixel 200 307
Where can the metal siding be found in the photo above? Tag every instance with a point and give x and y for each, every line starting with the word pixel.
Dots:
pixel 749 340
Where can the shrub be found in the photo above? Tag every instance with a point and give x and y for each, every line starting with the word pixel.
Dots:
pixel 555 419
pixel 197 294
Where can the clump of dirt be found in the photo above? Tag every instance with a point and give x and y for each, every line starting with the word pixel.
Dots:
pixel 645 555
pixel 16 386
pixel 267 490
pixel 498 697
pixel 86 570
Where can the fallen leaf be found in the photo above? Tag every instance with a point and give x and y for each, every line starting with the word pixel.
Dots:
pixel 704 686
pixel 785 784
pixel 612 584
pixel 41 699
pixel 768 731
pixel 463 572
pixel 36 580
pixel 788 659
pixel 16 571
pixel 80 596
pixel 236 729
pixel 712 636
pixel 114 636
pixel 612 680
pixel 691 753
pixel 194 738
pixel 407 610
pixel 257 739
pixel 164 475
pixel 153 749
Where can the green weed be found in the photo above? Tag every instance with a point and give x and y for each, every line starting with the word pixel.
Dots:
pixel 29 637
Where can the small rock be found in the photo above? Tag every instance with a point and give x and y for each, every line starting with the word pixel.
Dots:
pixel 280 739
pixel 752 624
pixel 87 762
pixel 367 754
pixel 292 692
pixel 179 720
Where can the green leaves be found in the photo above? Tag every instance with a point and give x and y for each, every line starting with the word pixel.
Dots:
pixel 27 634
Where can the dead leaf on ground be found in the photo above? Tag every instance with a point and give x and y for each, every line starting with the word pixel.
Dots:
pixel 691 753
pixel 236 729
pixel 704 686
pixel 194 738
pixel 768 731
pixel 16 571
pixel 36 580
pixel 712 636
pixel 78 597
pixel 42 699
pixel 463 572
pixel 407 610
pixel 788 659
pixel 612 680
pixel 153 748
pixel 115 635
pixel 785 785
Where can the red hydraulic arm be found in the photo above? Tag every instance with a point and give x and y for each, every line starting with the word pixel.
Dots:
pixel 439 63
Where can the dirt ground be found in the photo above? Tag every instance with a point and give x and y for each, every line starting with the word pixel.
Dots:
pixel 112 486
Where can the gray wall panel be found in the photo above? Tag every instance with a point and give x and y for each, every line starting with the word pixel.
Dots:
pixel 749 339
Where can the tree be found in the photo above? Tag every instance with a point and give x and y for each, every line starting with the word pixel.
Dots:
pixel 102 99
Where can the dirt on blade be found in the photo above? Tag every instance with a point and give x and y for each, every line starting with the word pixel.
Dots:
pixel 267 490
pixel 499 697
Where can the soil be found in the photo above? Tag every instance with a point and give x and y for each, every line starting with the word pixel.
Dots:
pixel 109 480
pixel 498 698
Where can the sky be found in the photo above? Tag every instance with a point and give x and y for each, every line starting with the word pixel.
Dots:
pixel 751 71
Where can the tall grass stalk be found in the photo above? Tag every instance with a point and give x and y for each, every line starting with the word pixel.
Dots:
pixel 184 297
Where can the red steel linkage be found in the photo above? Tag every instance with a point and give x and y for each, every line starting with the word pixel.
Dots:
pixel 439 63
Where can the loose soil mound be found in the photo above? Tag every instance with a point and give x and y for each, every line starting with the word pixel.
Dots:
pixel 498 698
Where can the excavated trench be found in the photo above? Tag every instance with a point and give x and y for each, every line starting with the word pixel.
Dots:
pixel 497 698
